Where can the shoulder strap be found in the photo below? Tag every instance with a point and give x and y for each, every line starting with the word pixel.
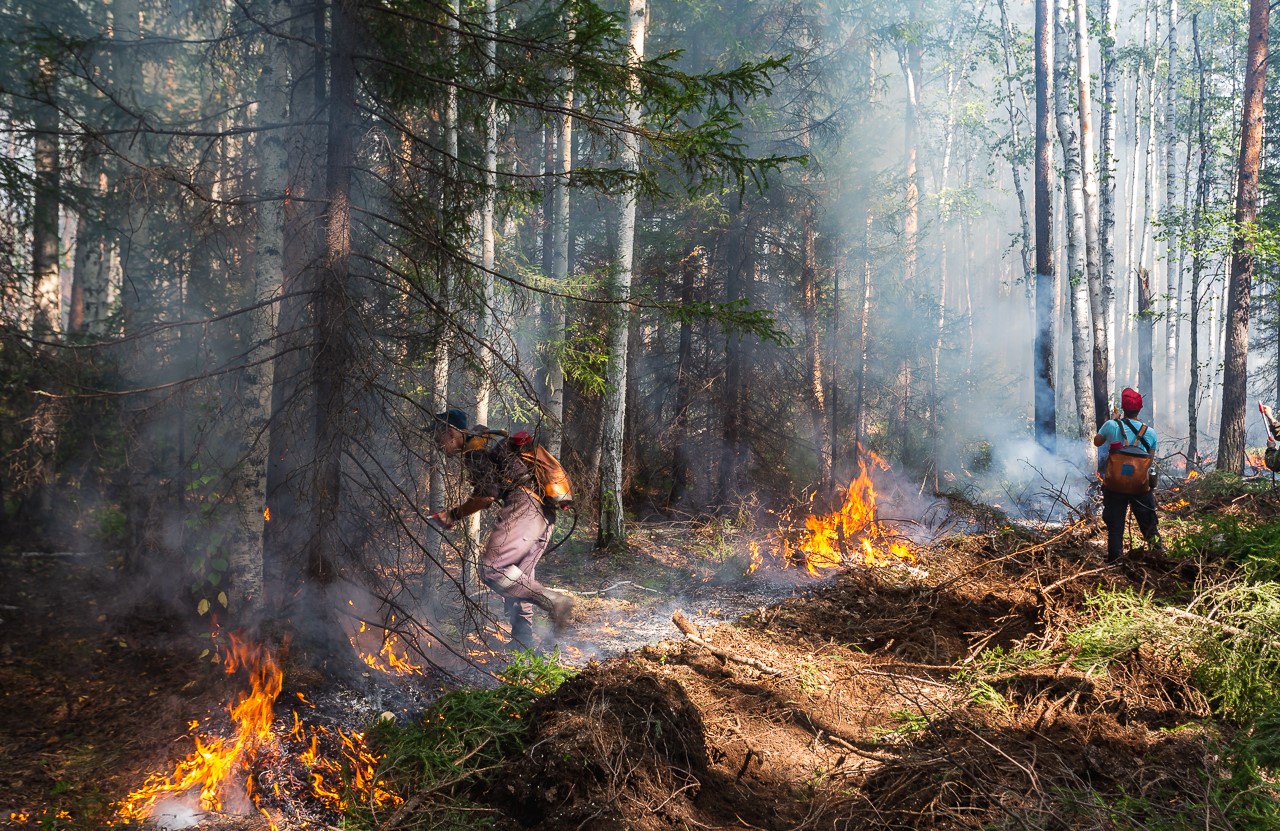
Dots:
pixel 1138 433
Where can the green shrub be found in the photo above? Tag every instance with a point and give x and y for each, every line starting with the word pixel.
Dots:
pixel 466 735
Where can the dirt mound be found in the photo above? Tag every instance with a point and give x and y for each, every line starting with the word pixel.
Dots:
pixel 616 747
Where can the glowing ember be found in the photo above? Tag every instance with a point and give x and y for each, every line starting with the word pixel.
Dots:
pixel 210 770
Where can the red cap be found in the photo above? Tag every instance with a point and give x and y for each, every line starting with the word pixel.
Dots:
pixel 1130 399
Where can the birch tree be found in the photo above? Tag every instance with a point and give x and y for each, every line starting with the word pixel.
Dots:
pixel 1073 192
pixel 612 532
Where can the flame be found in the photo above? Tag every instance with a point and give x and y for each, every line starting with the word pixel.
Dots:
pixel 266 514
pixel 1256 459
pixel 213 765
pixel 349 771
pixel 849 534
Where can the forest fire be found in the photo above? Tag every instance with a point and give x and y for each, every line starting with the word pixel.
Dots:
pixel 850 534
pixel 210 771
pixel 221 775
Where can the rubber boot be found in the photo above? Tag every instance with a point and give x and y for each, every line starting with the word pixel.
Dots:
pixel 521 636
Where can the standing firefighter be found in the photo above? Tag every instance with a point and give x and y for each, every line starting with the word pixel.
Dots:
pixel 498 470
pixel 1128 475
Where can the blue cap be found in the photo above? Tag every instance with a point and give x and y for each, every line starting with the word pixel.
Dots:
pixel 452 418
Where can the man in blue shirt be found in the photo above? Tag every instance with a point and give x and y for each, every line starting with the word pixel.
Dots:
pixel 1115 505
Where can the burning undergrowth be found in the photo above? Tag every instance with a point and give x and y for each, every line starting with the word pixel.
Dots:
pixel 967 688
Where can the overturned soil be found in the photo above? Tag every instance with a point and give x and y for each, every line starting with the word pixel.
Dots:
pixel 867 698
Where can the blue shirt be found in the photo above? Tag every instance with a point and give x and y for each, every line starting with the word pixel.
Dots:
pixel 1117 431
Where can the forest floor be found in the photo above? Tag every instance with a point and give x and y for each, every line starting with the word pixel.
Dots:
pixel 890 696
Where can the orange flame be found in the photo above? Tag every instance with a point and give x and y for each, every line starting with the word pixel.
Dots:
pixel 831 540
pixel 215 761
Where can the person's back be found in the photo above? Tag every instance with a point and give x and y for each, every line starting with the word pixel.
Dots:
pixel 1127 486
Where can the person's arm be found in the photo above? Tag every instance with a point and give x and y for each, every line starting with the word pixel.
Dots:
pixel 453 516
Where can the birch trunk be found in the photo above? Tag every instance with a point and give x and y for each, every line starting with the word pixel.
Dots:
pixel 612 531
pixel 1089 187
pixel 1073 219
pixel 488 249
pixel 553 310
pixel 1173 261
pixel 250 483
pixel 1107 187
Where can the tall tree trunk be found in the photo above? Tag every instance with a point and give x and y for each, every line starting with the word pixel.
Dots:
pixel 1045 398
pixel 1198 249
pixel 1073 219
pixel 1235 379
pixel 1107 187
pixel 46 276
pixel 1089 187
pixel 1015 141
pixel 740 254
pixel 1173 257
pixel 250 478
pixel 681 462
pixel 334 329
pixel 553 310
pixel 612 531
pixel 1145 264
pixel 290 499
pixel 488 251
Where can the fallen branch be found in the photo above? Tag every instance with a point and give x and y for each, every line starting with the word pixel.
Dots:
pixel 691 632
pixel 608 589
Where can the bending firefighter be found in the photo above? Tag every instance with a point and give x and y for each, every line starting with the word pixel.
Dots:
pixel 498 473
pixel 1128 475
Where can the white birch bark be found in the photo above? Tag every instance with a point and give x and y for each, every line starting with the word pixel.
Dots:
pixel 250 480
pixel 484 325
pixel 1073 217
pixel 554 311
pixel 612 531
pixel 1173 258
pixel 1107 184
pixel 1089 185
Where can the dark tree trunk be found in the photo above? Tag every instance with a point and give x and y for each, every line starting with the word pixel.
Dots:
pixel 1235 380
pixel 1046 291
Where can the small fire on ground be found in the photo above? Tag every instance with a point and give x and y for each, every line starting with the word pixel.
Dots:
pixel 849 535
pixel 255 765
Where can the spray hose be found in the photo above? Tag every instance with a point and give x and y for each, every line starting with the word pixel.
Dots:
pixel 573 509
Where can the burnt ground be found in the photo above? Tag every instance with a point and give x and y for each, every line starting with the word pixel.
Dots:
pixel 867 699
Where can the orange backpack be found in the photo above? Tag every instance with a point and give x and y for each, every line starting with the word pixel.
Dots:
pixel 1129 466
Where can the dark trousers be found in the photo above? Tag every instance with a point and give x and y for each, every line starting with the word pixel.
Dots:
pixel 1114 508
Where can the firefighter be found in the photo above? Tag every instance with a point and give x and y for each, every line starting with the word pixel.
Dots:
pixel 1116 432
pixel 1272 455
pixel 521 533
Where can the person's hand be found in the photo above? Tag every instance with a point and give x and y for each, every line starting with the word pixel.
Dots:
pixel 442 520
pixel 1115 413
pixel 1264 409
